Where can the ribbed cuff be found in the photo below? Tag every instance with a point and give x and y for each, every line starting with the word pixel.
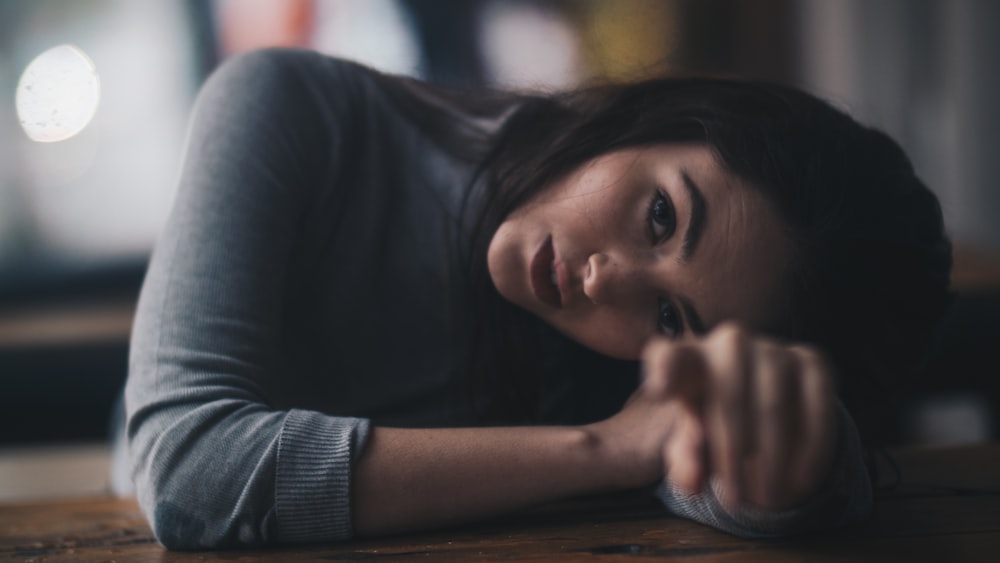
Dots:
pixel 846 498
pixel 312 496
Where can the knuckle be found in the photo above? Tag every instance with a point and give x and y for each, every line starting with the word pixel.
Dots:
pixel 652 354
pixel 729 332
pixel 655 345
pixel 771 354
pixel 815 365
pixel 665 361
pixel 809 354
pixel 681 356
pixel 685 365
pixel 731 393
pixel 774 400
pixel 657 354
pixel 786 367
pixel 730 355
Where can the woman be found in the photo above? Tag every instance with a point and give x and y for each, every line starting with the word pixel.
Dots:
pixel 368 288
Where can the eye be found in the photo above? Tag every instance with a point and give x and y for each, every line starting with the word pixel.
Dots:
pixel 668 322
pixel 662 219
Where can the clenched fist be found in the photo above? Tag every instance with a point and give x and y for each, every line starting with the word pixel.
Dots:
pixel 753 414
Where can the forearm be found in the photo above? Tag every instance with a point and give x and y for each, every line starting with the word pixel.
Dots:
pixel 408 479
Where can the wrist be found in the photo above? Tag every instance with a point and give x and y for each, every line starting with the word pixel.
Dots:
pixel 621 460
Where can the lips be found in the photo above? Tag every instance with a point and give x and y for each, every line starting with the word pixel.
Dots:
pixel 544 279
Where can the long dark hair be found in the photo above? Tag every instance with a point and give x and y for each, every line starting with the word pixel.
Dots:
pixel 871 261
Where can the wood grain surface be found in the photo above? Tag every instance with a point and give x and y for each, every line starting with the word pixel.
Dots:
pixel 946 509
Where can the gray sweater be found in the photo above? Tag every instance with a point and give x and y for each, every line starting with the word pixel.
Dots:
pixel 304 288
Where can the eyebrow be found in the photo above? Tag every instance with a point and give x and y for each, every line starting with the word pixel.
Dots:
pixel 697 223
pixel 694 321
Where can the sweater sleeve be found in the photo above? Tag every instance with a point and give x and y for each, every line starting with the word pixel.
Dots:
pixel 214 464
pixel 846 498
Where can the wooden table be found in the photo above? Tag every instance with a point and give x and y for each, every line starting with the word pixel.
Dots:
pixel 948 509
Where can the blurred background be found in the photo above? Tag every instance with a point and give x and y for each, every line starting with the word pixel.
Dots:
pixel 95 95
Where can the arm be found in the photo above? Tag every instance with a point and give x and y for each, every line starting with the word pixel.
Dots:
pixel 745 434
pixel 410 479
pixel 214 463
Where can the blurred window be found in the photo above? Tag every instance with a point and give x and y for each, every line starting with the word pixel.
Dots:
pixel 102 193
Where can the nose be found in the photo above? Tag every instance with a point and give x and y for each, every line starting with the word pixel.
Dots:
pixel 609 278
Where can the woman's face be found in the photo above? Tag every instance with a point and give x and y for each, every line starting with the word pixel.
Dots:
pixel 649 240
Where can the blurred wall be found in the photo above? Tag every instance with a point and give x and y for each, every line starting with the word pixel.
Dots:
pixel 928 72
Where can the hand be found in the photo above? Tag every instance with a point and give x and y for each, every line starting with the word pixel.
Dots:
pixel 754 414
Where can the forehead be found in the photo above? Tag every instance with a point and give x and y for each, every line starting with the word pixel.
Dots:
pixel 740 271
pixel 632 166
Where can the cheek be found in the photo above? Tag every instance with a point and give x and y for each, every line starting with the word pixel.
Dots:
pixel 608 332
pixel 502 260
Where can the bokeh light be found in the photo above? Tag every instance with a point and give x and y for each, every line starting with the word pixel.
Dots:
pixel 57 94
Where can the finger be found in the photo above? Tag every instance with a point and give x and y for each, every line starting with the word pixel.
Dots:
pixel 674 371
pixel 818 429
pixel 685 455
pixel 775 392
pixel 729 358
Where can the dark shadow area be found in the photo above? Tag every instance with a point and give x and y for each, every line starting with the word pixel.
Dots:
pixel 61 389
pixel 963 362
pixel 61 393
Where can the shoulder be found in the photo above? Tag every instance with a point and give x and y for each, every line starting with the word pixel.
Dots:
pixel 313 88
pixel 284 70
pixel 294 63
pixel 299 100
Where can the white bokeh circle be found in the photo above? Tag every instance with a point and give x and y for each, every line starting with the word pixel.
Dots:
pixel 58 94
